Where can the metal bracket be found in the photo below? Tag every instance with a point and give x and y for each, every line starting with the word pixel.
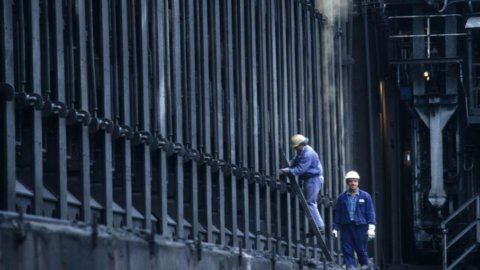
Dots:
pixel 122 131
pixel 97 124
pixel 81 116
pixel 143 137
pixel 54 107
pixel 29 100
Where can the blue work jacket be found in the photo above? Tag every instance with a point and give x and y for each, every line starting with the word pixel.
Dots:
pixel 306 164
pixel 364 210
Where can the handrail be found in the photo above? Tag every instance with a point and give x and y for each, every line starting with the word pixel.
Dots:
pixel 475 223
pixel 460 209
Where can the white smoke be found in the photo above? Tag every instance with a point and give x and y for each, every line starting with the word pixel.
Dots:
pixel 334 10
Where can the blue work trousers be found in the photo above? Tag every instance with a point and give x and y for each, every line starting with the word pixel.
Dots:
pixel 312 187
pixel 354 238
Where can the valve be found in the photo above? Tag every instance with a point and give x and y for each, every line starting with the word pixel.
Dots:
pixel 178 149
pixel 243 173
pixel 190 154
pixel 217 164
pixel 254 178
pixel 122 131
pixel 81 116
pixel 204 158
pixel 7 92
pixel 97 124
pixel 229 169
pixel 54 107
pixel 143 137
pixel 30 99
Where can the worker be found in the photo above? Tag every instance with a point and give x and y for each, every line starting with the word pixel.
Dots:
pixel 354 218
pixel 307 166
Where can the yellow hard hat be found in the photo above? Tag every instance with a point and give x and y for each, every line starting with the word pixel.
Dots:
pixel 352 175
pixel 297 139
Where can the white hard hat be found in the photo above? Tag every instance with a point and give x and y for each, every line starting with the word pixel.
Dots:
pixel 352 175
pixel 297 139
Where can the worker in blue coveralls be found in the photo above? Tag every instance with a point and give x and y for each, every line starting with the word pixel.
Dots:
pixel 354 217
pixel 307 166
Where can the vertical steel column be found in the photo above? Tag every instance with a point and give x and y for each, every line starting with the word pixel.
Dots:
pixel 60 140
pixel 294 123
pixel 82 104
pixel 341 120
pixel 274 88
pixel 299 55
pixel 309 119
pixel 106 197
pixel 7 111
pixel 206 115
pixel 124 86
pixel 219 118
pixel 161 11
pixel 144 115
pixel 284 90
pixel 177 46
pixel 265 131
pixel 193 92
pixel 230 80
pixel 317 109
pixel 254 113
pixel 242 95
pixel 34 81
pixel 325 98
pixel 304 87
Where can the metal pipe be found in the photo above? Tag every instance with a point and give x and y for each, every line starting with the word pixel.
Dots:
pixel 428 35
pixel 220 124
pixel 70 59
pixel 23 50
pixel 254 116
pixel 424 16
pixel 163 111
pixel 206 131
pixel 230 81
pixel 371 117
pixel 114 61
pixel 124 86
pixel 264 131
pixel 191 136
pixel 177 93
pixel 91 59
pixel 46 52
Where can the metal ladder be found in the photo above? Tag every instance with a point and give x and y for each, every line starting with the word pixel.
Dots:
pixel 475 225
pixel 298 193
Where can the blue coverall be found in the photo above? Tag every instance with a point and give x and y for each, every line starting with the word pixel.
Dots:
pixel 307 166
pixel 353 234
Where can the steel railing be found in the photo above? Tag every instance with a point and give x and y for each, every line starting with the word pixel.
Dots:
pixel 475 224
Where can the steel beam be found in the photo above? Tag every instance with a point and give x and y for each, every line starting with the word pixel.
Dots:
pixel 57 154
pixel 7 111
pixel 125 165
pixel 206 119
pixel 265 130
pixel 219 114
pixel 178 89
pixel 144 171
pixel 231 86
pixel 274 87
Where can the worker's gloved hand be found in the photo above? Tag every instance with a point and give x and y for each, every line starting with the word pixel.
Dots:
pixel 371 231
pixel 335 233
pixel 284 170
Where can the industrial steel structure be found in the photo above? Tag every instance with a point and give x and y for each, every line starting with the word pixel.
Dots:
pixel 168 119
